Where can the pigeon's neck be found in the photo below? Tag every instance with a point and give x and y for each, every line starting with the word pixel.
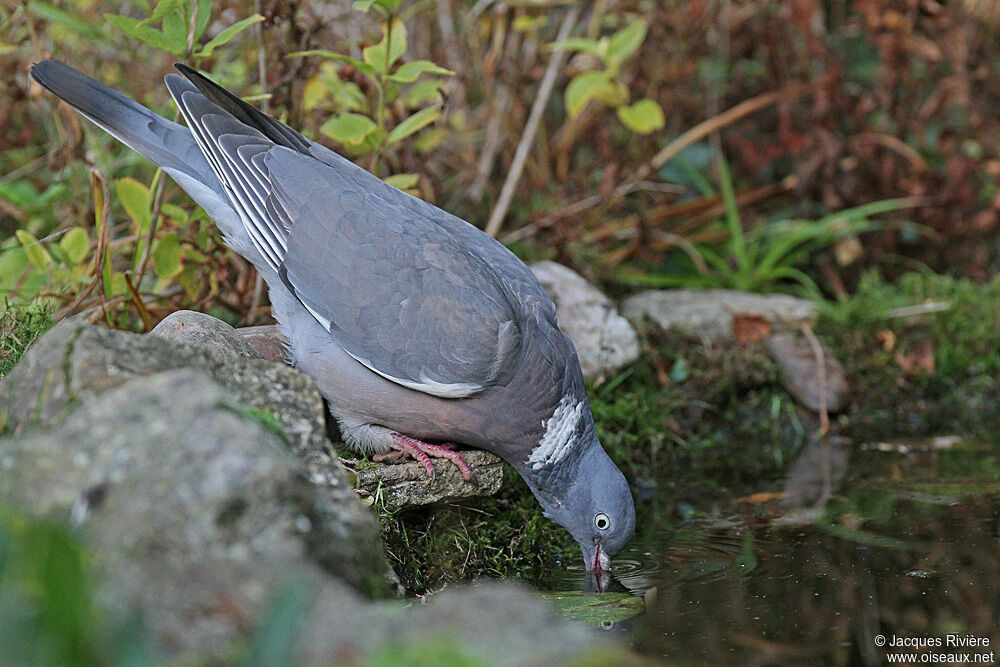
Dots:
pixel 550 479
pixel 567 438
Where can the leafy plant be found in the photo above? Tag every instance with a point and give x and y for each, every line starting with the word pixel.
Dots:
pixel 770 253
pixel 360 123
pixel 605 85
pixel 182 24
pixel 167 250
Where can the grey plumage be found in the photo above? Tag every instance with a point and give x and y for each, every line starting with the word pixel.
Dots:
pixel 410 320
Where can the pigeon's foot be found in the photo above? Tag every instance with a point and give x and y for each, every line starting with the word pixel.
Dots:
pixel 423 451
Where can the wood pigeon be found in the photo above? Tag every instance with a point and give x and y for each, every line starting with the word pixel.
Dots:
pixel 416 326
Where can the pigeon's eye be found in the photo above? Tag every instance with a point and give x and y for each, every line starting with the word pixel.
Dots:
pixel 602 521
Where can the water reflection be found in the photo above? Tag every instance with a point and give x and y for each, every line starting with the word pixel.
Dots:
pixel 806 595
pixel 907 552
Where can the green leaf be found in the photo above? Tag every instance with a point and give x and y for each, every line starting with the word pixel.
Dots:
pixel 417 121
pixel 422 93
pixel 204 16
pixel 72 22
pixel 625 42
pixel 37 254
pixel 614 94
pixel 163 7
pixel 403 181
pixel 134 197
pixel 381 56
pixel 584 87
pixel 75 243
pixel 175 213
pixel 644 116
pixel 365 68
pixel 314 92
pixel 167 256
pixel 363 5
pixel 595 609
pixel 348 128
pixel 223 37
pixel 175 30
pixel 144 33
pixel 409 72
pixel 594 47
pixel 529 24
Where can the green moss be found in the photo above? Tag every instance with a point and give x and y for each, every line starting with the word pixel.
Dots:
pixel 965 333
pixel 725 420
pixel 429 652
pixel 962 392
pixel 498 537
pixel 20 326
pixel 265 418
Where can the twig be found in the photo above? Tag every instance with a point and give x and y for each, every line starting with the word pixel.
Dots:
pixel 920 309
pixel 817 349
pixel 491 146
pixel 695 134
pixel 153 220
pixel 446 24
pixel 528 138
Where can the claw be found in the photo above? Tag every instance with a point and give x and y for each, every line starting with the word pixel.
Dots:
pixel 422 451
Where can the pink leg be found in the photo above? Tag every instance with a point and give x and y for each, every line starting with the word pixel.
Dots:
pixel 422 451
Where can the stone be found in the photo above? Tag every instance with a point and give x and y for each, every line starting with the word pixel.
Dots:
pixel 189 327
pixel 816 473
pixel 492 623
pixel 193 512
pixel 74 363
pixel 708 314
pixel 604 340
pixel 407 485
pixel 796 361
pixel 267 341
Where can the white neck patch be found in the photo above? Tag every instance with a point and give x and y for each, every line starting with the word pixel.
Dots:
pixel 559 431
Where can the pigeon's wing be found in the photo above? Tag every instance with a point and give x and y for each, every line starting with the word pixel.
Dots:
pixel 395 290
pixel 518 278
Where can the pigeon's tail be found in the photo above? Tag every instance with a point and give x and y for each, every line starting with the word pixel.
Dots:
pixel 163 142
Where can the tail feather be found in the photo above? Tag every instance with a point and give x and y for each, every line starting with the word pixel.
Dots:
pixel 249 115
pixel 161 141
pixel 165 143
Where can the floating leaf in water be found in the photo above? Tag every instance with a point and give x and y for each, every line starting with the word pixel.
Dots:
pixel 595 609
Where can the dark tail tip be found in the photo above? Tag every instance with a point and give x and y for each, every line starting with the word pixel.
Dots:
pixel 42 72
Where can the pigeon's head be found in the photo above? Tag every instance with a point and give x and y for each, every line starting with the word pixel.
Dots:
pixel 585 493
pixel 597 509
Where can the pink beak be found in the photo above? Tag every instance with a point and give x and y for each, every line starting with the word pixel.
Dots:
pixel 601 560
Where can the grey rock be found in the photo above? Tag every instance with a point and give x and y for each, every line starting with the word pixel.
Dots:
pixel 709 313
pixel 267 341
pixel 189 327
pixel 604 340
pixel 816 473
pixel 194 514
pixel 407 485
pixel 75 363
pixel 796 361
pixel 494 623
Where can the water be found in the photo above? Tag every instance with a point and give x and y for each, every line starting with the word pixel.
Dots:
pixel 905 553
